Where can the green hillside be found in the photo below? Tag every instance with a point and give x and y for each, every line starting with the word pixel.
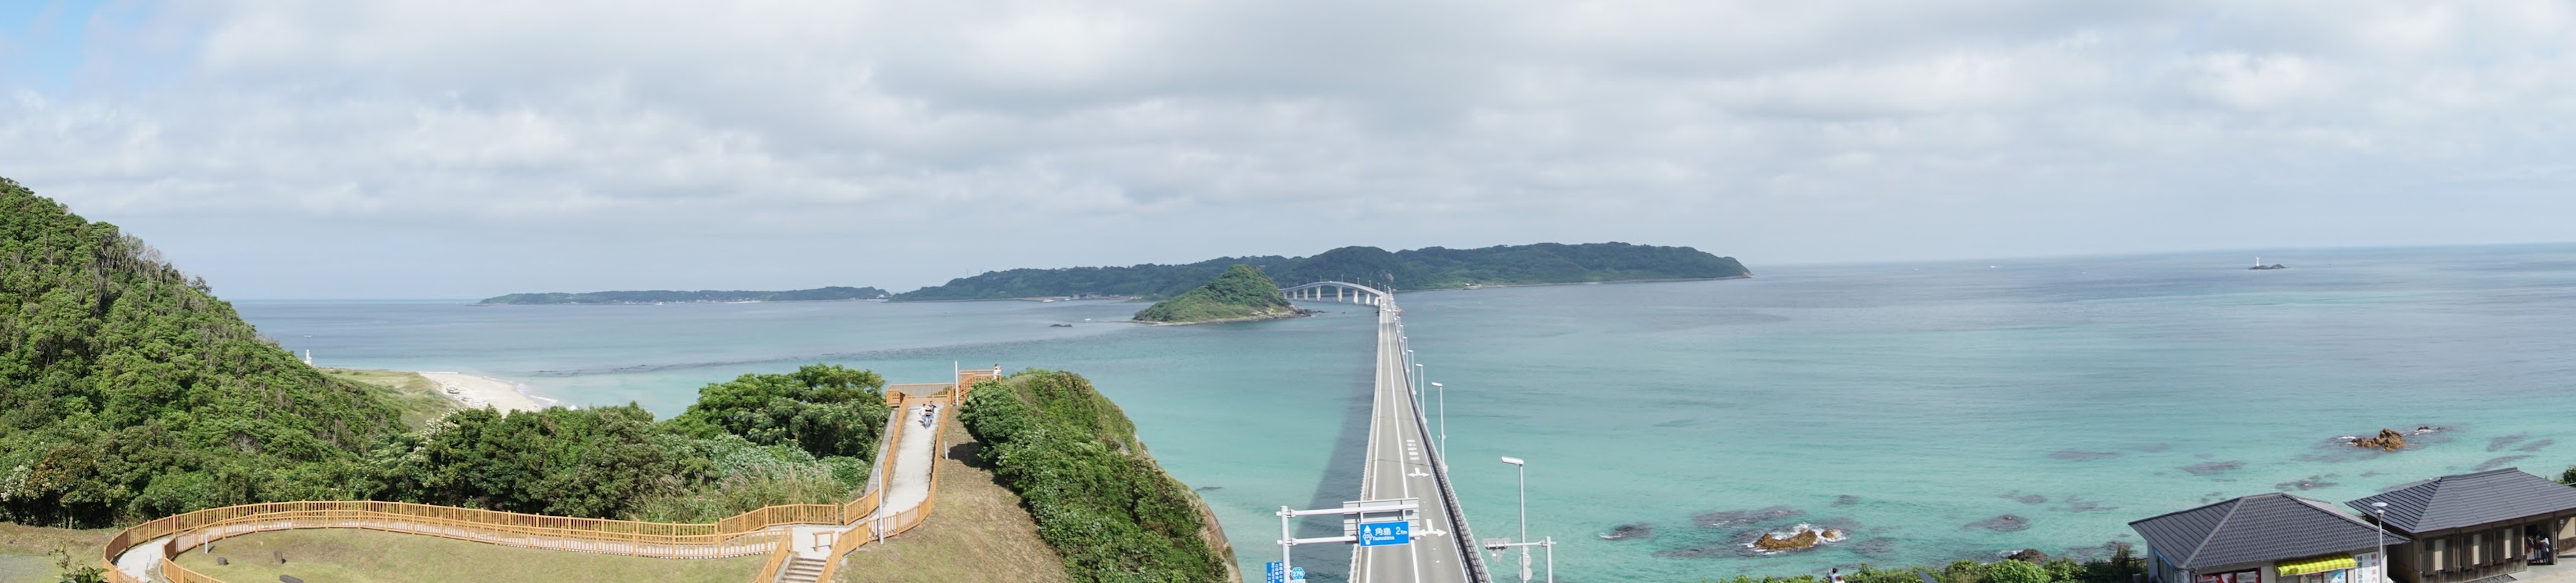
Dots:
pixel 127 390
pixel 1240 293
pixel 1110 512
pixel 1413 269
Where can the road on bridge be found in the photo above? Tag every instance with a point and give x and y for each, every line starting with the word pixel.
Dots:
pixel 1398 467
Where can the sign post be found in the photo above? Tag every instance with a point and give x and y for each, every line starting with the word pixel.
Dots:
pixel 1274 573
pixel 1381 534
pixel 1356 528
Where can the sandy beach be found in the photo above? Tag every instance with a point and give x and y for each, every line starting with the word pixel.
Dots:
pixel 475 391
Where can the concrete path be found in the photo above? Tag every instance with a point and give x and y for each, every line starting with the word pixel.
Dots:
pixel 910 484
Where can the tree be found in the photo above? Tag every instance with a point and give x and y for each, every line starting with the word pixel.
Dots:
pixel 2015 572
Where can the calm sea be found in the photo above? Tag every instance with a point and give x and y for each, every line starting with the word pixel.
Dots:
pixel 1914 405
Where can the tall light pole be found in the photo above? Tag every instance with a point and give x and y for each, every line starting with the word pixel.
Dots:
pixel 2381 508
pixel 1523 468
pixel 1444 423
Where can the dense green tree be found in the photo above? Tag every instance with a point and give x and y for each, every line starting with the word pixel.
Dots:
pixel 825 409
pixel 596 462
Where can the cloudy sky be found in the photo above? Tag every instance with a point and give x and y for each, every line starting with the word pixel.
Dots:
pixel 462 149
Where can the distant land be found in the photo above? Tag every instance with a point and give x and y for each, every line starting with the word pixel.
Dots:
pixel 1242 293
pixel 700 296
pixel 1415 269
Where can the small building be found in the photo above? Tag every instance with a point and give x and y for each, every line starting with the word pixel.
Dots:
pixel 2264 538
pixel 2475 526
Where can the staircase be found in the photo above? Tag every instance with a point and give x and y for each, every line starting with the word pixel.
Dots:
pixel 801 569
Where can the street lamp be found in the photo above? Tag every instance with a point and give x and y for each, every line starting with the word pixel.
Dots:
pixel 1523 468
pixel 2381 508
pixel 1444 424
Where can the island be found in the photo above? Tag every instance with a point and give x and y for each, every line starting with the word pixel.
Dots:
pixel 1412 269
pixel 1240 294
pixel 686 297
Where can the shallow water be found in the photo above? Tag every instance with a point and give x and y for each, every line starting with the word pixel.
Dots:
pixel 1913 404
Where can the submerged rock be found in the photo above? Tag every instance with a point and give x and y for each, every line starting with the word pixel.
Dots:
pixel 2077 455
pixel 1727 518
pixel 2032 556
pixel 1846 500
pixel 1629 531
pixel 2004 523
pixel 2207 468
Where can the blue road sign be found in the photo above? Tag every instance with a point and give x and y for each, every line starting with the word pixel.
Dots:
pixel 1297 575
pixel 1275 574
pixel 1379 534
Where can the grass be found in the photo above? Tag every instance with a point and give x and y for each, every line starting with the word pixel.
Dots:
pixel 418 398
pixel 352 555
pixel 977 532
pixel 26 551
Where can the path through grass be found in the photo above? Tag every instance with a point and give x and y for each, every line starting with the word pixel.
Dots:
pixel 351 555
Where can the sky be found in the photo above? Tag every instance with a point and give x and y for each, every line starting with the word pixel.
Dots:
pixel 460 149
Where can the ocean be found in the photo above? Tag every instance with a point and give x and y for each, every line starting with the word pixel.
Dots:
pixel 1933 410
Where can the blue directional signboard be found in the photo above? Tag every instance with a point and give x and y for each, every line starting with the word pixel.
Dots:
pixel 1379 534
pixel 1275 574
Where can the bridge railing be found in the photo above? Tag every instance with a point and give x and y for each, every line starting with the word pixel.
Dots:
pixel 1466 539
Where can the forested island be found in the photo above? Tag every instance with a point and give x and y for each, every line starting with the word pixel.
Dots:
pixel 1241 293
pixel 1413 269
pixel 699 296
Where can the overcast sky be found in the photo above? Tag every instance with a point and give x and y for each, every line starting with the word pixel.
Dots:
pixel 465 149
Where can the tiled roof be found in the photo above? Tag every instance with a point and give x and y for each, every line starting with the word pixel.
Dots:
pixel 2256 529
pixel 2470 500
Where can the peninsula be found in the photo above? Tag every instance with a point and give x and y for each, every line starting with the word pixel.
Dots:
pixel 1413 269
pixel 1240 294
pixel 699 296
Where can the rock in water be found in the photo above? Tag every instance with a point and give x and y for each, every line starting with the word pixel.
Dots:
pixel 2388 440
pixel 1630 531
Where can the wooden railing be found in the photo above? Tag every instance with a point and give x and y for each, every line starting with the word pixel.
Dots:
pixel 777 560
pixel 745 534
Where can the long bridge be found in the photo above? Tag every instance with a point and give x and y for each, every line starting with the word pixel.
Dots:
pixel 1403 461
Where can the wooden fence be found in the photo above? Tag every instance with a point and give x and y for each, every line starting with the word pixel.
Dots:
pixel 745 534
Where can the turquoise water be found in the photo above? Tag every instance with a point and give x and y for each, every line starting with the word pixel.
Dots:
pixel 1903 402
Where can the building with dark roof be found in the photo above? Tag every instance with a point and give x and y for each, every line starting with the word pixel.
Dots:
pixel 2475 526
pixel 2264 538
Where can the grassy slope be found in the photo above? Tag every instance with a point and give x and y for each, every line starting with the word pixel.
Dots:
pixel 371 556
pixel 416 397
pixel 977 532
pixel 25 550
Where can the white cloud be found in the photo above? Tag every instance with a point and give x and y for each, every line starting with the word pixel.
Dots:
pixel 808 143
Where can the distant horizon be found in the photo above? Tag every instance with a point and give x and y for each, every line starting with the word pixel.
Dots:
pixel 1754 266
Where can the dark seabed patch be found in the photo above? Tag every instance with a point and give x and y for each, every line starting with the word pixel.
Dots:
pixel 2207 468
pixel 1728 518
pixel 1210 488
pixel 2077 455
pixel 1678 423
pixel 1874 548
pixel 1630 531
pixel 2307 483
pixel 2497 463
pixel 2498 443
pixel 2079 504
pixel 2373 474
pixel 2017 496
pixel 1846 500
pixel 2537 445
pixel 2005 523
pixel 2153 447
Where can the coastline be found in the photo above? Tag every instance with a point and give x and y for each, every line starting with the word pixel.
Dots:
pixel 479 391
pixel 1300 313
